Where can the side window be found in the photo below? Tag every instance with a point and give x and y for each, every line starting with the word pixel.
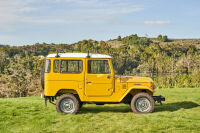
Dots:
pixel 56 65
pixel 98 67
pixel 71 66
pixel 47 66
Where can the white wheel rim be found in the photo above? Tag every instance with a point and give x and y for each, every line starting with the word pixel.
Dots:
pixel 143 104
pixel 67 105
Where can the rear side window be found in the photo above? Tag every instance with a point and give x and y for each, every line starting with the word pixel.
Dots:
pixel 47 66
pixel 71 66
pixel 56 65
pixel 98 67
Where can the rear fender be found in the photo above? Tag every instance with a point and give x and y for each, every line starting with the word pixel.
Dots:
pixel 63 91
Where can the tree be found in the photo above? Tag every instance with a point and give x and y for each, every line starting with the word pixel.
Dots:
pixel 159 37
pixel 119 38
pixel 162 38
pixel 165 38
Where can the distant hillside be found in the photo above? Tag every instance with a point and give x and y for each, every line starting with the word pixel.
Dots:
pixel 182 42
pixel 115 43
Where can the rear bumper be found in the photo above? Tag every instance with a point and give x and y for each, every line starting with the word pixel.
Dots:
pixel 159 99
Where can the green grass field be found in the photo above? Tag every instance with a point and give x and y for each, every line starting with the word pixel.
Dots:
pixel 179 113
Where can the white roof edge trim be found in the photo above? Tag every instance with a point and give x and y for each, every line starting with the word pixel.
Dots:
pixel 79 55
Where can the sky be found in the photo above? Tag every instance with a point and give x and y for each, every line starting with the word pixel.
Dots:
pixel 26 22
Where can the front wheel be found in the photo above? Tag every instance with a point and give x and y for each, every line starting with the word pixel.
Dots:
pixel 142 103
pixel 67 103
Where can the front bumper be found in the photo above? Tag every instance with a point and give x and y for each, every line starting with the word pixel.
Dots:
pixel 159 99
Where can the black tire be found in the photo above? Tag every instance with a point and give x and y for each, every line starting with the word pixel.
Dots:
pixel 68 104
pixel 42 78
pixel 142 103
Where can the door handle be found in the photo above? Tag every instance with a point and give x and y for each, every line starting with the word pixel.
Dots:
pixel 88 82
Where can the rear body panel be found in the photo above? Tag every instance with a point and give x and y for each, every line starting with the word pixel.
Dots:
pixel 54 82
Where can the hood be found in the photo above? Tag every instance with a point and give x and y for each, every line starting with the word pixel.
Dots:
pixel 134 79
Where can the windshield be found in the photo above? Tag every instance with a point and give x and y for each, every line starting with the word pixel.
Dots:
pixel 47 66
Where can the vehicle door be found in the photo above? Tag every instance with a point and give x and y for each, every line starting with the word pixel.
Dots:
pixel 99 78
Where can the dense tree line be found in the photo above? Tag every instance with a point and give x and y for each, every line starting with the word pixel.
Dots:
pixel 170 64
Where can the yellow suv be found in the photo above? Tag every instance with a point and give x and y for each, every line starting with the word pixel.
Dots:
pixel 79 78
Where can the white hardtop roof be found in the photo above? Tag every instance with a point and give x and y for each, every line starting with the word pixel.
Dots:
pixel 79 55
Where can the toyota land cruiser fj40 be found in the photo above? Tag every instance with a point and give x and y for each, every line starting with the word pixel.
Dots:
pixel 79 78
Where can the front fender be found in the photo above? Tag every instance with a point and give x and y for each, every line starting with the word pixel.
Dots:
pixel 135 89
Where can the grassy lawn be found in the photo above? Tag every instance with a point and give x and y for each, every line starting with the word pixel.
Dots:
pixel 179 113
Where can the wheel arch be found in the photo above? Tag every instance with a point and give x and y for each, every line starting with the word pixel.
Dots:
pixel 134 90
pixel 71 91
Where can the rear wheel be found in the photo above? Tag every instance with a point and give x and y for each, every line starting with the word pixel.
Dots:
pixel 67 103
pixel 142 103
